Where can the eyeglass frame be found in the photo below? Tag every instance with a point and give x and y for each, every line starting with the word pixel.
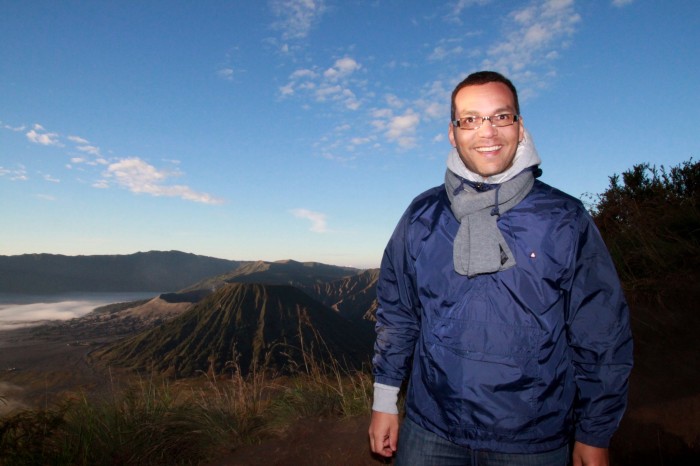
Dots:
pixel 456 123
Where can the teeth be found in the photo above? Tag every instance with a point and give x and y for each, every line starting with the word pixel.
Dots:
pixel 488 149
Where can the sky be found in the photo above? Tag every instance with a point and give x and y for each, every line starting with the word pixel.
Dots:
pixel 302 129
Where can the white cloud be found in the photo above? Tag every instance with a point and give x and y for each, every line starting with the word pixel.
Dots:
pixel 341 69
pixel 45 197
pixel 39 135
pixel 402 129
pixel 139 177
pixel 621 3
pixel 296 17
pixel 303 74
pixel 78 140
pixel 317 219
pixel 225 73
pixel 51 179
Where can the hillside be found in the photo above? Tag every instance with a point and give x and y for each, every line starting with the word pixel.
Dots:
pixel 247 324
pixel 354 297
pixel 158 271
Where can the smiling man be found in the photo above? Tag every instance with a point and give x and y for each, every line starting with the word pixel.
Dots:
pixel 500 306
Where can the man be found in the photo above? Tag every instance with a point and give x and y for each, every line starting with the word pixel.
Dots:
pixel 500 305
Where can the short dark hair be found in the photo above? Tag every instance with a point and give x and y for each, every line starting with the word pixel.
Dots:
pixel 485 77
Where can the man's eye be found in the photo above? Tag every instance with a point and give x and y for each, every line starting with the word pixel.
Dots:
pixel 469 120
pixel 503 117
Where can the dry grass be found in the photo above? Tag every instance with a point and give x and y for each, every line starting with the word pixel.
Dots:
pixel 155 421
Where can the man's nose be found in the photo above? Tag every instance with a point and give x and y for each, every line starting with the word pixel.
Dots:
pixel 487 129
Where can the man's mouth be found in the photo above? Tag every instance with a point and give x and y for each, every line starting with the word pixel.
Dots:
pixel 488 148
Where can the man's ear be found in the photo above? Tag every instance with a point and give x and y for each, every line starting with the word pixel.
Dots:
pixel 521 131
pixel 451 134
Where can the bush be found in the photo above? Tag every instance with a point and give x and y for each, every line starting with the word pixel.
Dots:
pixel 650 221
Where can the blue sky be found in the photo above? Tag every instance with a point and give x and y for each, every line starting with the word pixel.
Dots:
pixel 301 129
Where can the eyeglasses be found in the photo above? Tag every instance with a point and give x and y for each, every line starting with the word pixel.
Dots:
pixel 475 122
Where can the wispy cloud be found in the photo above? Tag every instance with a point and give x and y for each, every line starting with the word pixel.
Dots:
pixel 332 85
pixel 39 135
pixel 78 140
pixel 17 174
pixel 13 128
pixel 621 3
pixel 92 150
pixel 440 52
pixel 132 173
pixel 459 5
pixel 317 219
pixel 295 18
pixel 532 40
pixel 226 74
pixel 141 177
pixel 536 34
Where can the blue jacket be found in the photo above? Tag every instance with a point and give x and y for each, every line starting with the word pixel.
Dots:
pixel 516 361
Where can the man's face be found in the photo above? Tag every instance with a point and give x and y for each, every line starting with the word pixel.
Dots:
pixel 488 150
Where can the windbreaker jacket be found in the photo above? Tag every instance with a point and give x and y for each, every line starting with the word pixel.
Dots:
pixel 515 361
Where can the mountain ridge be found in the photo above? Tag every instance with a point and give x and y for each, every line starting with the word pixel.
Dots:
pixel 160 271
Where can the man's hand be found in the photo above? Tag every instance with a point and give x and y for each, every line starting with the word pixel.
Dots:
pixel 383 433
pixel 586 455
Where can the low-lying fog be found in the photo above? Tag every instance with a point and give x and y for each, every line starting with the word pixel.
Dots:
pixel 23 310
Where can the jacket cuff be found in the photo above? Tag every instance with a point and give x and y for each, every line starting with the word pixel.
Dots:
pixel 599 442
pixel 385 399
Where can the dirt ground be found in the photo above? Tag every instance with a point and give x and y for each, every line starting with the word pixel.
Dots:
pixel 309 442
pixel 34 369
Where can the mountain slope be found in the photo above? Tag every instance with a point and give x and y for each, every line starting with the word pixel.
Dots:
pixel 270 325
pixel 143 271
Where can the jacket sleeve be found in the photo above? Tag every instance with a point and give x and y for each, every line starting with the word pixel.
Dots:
pixel 599 337
pixel 398 315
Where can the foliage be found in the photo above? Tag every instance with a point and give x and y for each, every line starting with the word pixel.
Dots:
pixel 650 220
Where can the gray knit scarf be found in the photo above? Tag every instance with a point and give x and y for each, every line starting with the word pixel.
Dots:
pixel 479 246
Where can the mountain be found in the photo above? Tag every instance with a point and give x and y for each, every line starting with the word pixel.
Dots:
pixel 348 291
pixel 144 271
pixel 286 272
pixel 353 297
pixel 244 324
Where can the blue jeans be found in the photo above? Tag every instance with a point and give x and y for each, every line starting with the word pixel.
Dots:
pixel 419 447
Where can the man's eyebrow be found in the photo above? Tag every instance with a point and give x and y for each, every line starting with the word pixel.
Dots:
pixel 498 111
